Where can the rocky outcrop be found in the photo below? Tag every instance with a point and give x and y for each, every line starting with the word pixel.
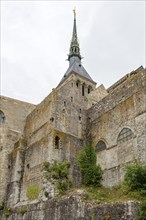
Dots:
pixel 72 208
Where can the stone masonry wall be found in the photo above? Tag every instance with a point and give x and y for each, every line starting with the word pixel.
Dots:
pixel 73 208
pixel 132 85
pixel 44 151
pixel 15 112
pixel 122 108
pixel 57 115
pixel 11 130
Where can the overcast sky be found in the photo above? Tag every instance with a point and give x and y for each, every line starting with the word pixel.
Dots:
pixel 36 38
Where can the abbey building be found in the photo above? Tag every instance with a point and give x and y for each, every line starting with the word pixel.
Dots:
pixel 74 114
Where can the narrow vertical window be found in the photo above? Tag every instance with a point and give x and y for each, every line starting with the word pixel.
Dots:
pixel 89 89
pixel 80 118
pixel 2 117
pixel 83 90
pixel 77 83
pixel 28 166
pixel 57 142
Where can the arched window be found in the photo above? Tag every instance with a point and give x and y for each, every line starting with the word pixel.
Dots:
pixel 125 135
pixel 57 142
pixel 2 117
pixel 100 146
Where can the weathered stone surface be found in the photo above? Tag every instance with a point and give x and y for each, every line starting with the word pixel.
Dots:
pixel 74 208
pixel 11 130
pixel 123 107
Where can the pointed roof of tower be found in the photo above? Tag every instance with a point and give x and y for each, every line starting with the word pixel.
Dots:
pixel 74 56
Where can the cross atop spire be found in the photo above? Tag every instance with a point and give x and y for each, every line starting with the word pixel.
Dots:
pixel 74 46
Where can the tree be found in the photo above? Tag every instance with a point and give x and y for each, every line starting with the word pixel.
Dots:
pixel 135 176
pixel 91 172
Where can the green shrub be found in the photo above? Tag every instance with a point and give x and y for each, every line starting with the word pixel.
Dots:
pixel 142 211
pixel 46 165
pixel 2 206
pixel 32 192
pixel 143 192
pixel 62 185
pixel 7 212
pixel 91 173
pixel 135 177
pixel 58 172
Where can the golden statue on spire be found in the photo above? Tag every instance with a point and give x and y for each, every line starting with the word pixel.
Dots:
pixel 74 11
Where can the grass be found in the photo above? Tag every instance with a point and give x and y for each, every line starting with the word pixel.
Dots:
pixel 108 195
pixel 32 192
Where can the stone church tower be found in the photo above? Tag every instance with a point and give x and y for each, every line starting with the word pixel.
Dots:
pixel 73 114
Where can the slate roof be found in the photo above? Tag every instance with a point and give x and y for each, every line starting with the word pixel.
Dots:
pixel 78 68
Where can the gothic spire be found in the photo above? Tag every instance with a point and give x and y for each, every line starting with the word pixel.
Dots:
pixel 74 57
pixel 74 46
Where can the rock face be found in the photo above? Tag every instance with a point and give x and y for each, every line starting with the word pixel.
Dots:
pixel 73 208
